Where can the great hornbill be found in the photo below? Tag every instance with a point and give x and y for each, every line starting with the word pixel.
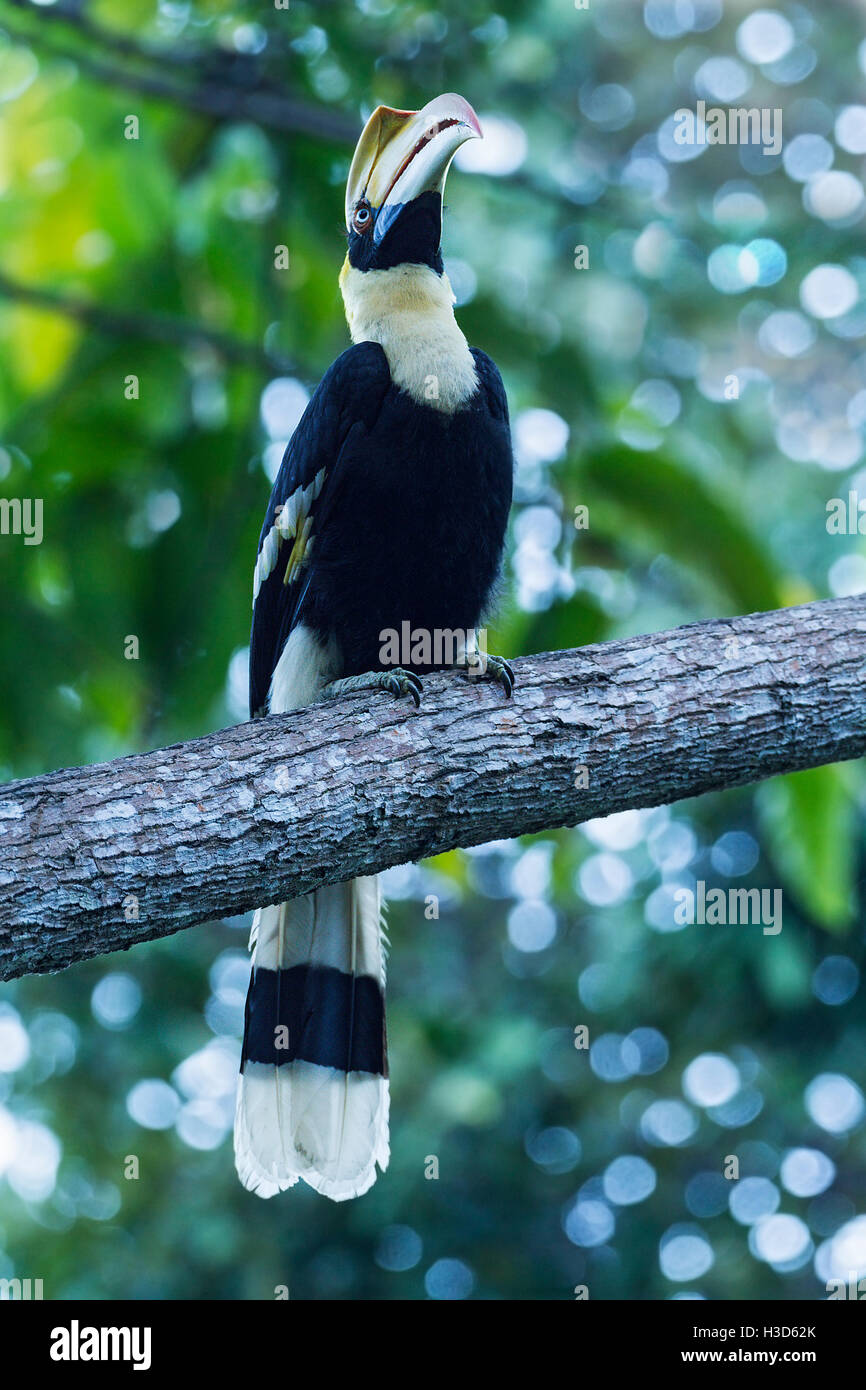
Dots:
pixel 389 509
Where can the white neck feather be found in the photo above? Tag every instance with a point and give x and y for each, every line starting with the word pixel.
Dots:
pixel 409 311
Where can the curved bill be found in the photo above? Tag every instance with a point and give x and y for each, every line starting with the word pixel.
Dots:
pixel 402 154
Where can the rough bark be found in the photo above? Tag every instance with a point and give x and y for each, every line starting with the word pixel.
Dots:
pixel 95 859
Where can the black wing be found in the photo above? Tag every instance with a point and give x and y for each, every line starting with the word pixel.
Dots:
pixel 348 397
pixel 491 385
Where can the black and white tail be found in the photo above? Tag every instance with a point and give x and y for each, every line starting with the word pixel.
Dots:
pixel 313 1092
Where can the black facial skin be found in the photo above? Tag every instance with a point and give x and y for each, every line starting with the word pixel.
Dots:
pixel 414 238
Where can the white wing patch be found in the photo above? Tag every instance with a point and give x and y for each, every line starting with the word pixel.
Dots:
pixel 306 665
pixel 291 523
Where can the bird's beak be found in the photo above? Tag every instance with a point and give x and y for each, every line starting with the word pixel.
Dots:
pixel 402 154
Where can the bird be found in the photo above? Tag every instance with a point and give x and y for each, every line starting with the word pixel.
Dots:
pixel 388 515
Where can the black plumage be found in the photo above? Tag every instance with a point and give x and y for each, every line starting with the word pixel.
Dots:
pixel 413 237
pixel 329 1017
pixel 409 523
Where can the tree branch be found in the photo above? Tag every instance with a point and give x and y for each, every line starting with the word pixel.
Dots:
pixel 220 85
pixel 95 859
pixel 159 328
pixel 209 81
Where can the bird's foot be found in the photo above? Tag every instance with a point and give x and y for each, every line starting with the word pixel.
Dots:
pixel 489 668
pixel 397 682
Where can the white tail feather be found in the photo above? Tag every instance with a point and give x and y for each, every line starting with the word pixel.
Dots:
pixel 302 1120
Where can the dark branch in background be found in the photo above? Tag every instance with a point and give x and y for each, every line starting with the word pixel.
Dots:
pixel 226 103
pixel 215 83
pixel 95 859
pixel 220 85
pixel 235 65
pixel 73 13
pixel 160 328
pixel 223 85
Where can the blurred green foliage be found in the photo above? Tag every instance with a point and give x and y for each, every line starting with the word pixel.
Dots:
pixel 161 251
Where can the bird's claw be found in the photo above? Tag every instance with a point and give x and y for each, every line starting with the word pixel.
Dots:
pixel 401 683
pixel 396 682
pixel 492 668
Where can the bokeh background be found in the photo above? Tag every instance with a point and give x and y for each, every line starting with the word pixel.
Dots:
pixel 155 258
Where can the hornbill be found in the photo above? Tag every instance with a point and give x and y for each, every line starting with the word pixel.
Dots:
pixel 390 507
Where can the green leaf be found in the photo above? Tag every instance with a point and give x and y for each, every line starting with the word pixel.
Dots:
pixel 809 822
pixel 656 501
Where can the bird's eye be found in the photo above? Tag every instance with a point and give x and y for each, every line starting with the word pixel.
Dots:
pixel 362 217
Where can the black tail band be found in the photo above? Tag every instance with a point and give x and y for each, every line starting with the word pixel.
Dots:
pixel 314 1013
